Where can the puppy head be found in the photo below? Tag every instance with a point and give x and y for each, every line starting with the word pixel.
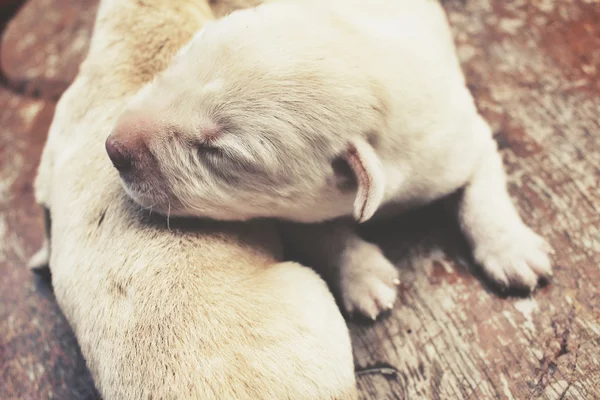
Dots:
pixel 250 123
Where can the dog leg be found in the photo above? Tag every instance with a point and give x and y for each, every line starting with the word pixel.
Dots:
pixel 40 261
pixel 510 253
pixel 364 278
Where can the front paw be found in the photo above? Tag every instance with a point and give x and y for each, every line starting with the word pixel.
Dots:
pixel 40 260
pixel 516 259
pixel 368 282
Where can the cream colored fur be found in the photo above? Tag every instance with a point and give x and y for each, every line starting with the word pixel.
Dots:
pixel 316 110
pixel 200 310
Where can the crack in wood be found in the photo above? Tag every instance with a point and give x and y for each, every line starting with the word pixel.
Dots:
pixel 379 368
pixel 549 365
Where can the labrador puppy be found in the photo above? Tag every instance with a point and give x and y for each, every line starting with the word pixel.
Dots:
pixel 176 310
pixel 316 112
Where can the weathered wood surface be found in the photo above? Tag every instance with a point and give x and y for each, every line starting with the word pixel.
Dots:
pixel 39 356
pixel 534 67
pixel 41 59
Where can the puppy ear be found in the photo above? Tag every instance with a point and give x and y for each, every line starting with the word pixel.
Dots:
pixel 370 178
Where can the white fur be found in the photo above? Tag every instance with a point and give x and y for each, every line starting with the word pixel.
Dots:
pixel 200 310
pixel 301 82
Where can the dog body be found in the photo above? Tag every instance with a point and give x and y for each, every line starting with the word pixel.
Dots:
pixel 315 110
pixel 200 310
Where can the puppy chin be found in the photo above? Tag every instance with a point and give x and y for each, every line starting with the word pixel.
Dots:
pixel 145 200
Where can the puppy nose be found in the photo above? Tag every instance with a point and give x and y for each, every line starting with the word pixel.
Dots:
pixel 119 156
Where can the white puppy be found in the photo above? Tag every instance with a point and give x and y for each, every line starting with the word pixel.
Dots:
pixel 200 311
pixel 313 110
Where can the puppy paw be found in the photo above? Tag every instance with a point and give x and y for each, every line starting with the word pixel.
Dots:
pixel 368 282
pixel 40 260
pixel 517 259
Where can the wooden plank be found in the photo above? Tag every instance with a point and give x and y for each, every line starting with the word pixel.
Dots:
pixel 41 59
pixel 39 356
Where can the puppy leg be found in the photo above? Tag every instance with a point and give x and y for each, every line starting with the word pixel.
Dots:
pixel 511 254
pixel 364 278
pixel 367 279
pixel 41 259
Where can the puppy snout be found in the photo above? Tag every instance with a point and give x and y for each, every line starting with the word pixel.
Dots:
pixel 126 145
pixel 120 156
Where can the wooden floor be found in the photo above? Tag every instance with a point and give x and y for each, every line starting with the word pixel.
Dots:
pixel 534 68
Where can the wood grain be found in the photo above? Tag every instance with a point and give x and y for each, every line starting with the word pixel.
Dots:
pixel 534 68
pixel 39 356
pixel 41 59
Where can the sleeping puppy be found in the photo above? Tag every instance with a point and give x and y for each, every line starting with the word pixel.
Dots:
pixel 315 111
pixel 184 311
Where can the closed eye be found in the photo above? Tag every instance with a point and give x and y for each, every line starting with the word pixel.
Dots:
pixel 224 157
